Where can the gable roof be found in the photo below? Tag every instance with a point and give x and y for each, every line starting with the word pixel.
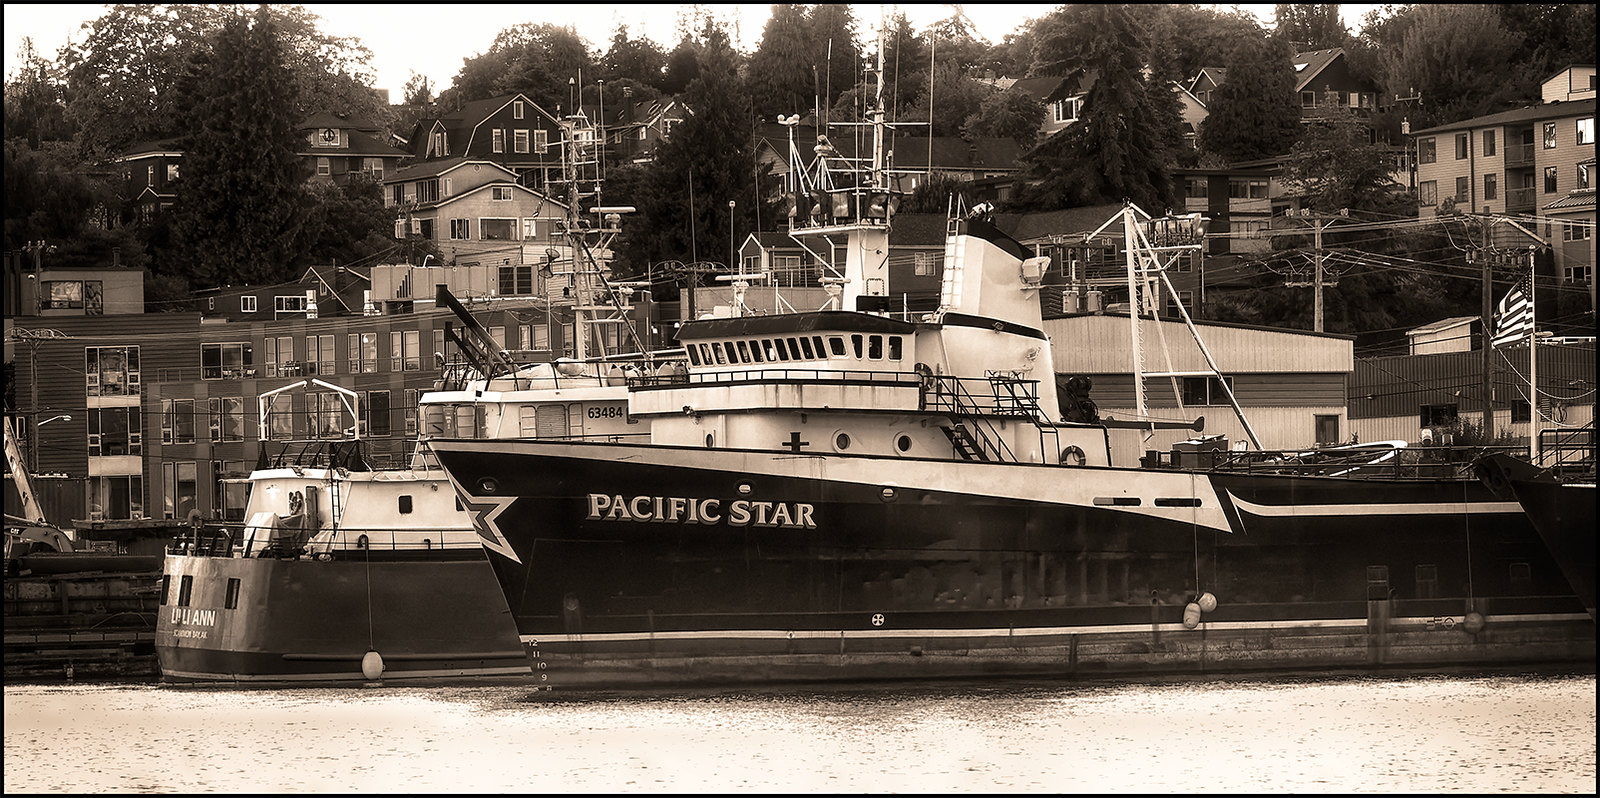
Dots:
pixel 1527 113
pixel 1307 65
pixel 423 169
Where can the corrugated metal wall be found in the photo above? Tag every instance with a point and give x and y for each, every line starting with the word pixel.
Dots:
pixel 1101 344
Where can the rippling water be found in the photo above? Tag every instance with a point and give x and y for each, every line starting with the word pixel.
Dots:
pixel 1462 733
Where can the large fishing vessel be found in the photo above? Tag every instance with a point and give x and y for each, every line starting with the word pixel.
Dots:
pixel 847 494
pixel 1558 495
pixel 346 572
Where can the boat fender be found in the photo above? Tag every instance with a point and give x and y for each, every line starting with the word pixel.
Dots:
pixel 1191 615
pixel 372 665
pixel 1474 622
pixel 1073 456
pixel 1207 602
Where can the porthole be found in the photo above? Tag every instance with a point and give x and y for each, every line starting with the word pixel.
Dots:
pixel 711 441
pixel 887 494
pixel 488 485
pixel 841 441
pixel 902 443
pixel 745 489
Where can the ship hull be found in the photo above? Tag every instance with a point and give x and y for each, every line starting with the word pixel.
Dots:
pixel 626 564
pixel 1563 513
pixel 264 620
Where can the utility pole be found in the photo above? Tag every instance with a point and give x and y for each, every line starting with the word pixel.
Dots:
pixel 1319 223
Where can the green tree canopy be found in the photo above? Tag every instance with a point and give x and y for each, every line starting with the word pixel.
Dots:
pixel 1458 58
pixel 1254 113
pixel 783 72
pixel 1125 142
pixel 242 203
pixel 535 59
pixel 1314 26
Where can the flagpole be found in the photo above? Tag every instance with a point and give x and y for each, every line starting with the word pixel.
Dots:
pixel 1533 365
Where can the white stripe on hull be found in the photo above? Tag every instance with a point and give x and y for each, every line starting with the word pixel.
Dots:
pixel 1336 510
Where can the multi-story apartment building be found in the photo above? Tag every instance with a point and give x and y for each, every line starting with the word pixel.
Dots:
pixel 1531 166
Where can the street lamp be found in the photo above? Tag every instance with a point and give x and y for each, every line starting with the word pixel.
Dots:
pixel 35 447
pixel 731 264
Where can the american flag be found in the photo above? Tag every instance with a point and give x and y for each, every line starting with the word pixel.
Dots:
pixel 1513 318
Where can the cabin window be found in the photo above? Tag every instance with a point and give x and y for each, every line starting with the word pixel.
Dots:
pixel 894 347
pixel 185 590
pixel 755 351
pixel 794 350
pixel 805 349
pixel 822 351
pixel 744 352
pixel 405 505
pixel 232 601
pixel 775 350
pixel 694 355
pixel 166 588
pixel 855 345
pixel 875 347
pixel 732 353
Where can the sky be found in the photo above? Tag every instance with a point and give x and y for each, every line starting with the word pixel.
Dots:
pixel 436 42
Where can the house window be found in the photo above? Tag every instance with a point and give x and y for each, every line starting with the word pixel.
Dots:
pixel 1490 187
pixel 405 351
pixel 280 417
pixel 226 420
pixel 427 191
pixel 279 357
pixel 1247 188
pixel 1327 429
pixel 412 397
pixel 500 193
pixel 922 264
pixel 324 168
pixel 122 499
pixel 1461 146
pixel 297 304
pixel 247 304
pixel 530 229
pixel 541 140
pixel 1437 415
pixel 1576 231
pixel 1578 272
pixel 375 413
pixel 1206 390
pixel 363 352
pixel 328 137
pixel 498 229
pixel 1426 150
pixel 516 280
pixel 182 488
pixel 516 109
pixel 1586 130
pixel 1428 192
pixel 1488 142
pixel 1308 99
pixel 436 145
pixel 536 337
pixel 226 361
pixel 319 350
pixel 1549 180
pixel 498 140
pixel 1583 176
pixel 519 141
pixel 1463 188
pixel 1519 411
pixel 1066 110
pixel 61 295
pixel 459 230
pixel 177 421
pixel 115 431
pixel 326 411
pixel 172 172
pixel 1549 135
pixel 1195 187
pixel 1184 297
pixel 373 167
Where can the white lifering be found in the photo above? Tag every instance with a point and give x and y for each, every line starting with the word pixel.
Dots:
pixel 1073 456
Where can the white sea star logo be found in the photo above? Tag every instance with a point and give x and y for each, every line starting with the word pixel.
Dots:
pixel 484 511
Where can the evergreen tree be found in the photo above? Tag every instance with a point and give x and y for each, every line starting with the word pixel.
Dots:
pixel 783 71
pixel 33 108
pixel 239 214
pixel 1254 113
pixel 682 198
pixel 1312 26
pixel 640 60
pixel 1008 114
pixel 836 50
pixel 1125 142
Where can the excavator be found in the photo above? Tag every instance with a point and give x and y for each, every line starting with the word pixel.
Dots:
pixel 29 533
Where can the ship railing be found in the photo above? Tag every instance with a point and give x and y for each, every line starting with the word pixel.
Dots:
pixel 979 401
pixel 219 540
pixel 887 379
pixel 1568 453
pixel 1411 462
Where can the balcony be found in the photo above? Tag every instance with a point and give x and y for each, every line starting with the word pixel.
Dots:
pixel 1519 155
pixel 1519 200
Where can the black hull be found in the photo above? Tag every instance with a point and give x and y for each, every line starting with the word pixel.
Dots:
pixel 1562 513
pixel 306 620
pixel 807 567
